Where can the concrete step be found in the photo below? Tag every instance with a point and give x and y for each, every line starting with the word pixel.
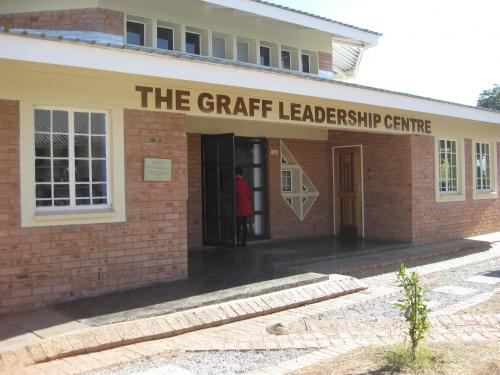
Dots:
pixel 359 262
pixel 220 296
pixel 109 336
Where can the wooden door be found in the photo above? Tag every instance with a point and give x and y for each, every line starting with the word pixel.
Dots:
pixel 348 194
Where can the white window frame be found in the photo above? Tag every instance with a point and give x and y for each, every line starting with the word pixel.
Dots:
pixel 447 196
pixel 143 29
pixel 225 46
pixel 302 64
pixel 492 193
pixel 270 56
pixel 199 42
pixel 247 48
pixel 71 164
pixel 290 172
pixel 32 216
pixel 289 57
pixel 173 37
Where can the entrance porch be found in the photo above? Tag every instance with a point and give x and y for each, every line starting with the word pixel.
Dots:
pixel 217 275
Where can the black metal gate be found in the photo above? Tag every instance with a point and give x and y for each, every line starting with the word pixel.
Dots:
pixel 219 211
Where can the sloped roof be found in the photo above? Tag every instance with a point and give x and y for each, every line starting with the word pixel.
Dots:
pixel 214 60
pixel 314 15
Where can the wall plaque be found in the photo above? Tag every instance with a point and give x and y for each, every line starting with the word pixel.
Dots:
pixel 159 170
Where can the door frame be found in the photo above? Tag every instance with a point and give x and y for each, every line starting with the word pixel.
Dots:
pixel 362 201
pixel 265 184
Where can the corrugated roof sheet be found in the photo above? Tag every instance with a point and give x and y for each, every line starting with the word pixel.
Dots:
pixel 186 56
pixel 314 15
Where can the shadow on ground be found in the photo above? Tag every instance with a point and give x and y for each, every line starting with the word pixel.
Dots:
pixel 214 273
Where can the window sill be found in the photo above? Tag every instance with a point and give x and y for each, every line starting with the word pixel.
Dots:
pixel 477 195
pixel 74 217
pixel 458 197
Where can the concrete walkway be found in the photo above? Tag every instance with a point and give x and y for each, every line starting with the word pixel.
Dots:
pixel 57 326
pixel 219 276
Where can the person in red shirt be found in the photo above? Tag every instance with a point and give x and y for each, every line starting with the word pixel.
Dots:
pixel 243 207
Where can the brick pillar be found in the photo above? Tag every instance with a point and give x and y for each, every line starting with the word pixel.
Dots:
pixel 11 253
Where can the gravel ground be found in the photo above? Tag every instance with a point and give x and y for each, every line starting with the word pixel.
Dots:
pixel 207 363
pixel 454 277
pixel 238 362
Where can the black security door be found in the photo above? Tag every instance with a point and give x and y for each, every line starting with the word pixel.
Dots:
pixel 251 157
pixel 219 207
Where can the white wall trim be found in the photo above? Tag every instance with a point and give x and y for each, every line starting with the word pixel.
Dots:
pixel 30 217
pixel 493 193
pixel 459 196
pixel 20 48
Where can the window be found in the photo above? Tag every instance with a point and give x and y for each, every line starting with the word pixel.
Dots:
pixel 448 178
pixel 71 159
pixel 135 33
pixel 286 181
pixel 242 51
pixel 305 63
pixel 193 43
pixel 483 167
pixel 219 47
pixel 265 56
pixel 165 38
pixel 285 59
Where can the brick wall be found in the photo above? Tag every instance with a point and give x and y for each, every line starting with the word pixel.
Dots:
pixel 447 220
pixel 194 213
pixel 90 19
pixel 387 182
pixel 46 264
pixel 315 159
pixel 325 61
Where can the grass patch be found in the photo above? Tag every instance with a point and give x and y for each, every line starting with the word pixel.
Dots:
pixel 400 358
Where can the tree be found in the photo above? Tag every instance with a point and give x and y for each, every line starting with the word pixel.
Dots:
pixel 490 98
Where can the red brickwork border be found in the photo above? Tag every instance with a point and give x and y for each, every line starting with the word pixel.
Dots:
pixel 89 19
pixel 47 264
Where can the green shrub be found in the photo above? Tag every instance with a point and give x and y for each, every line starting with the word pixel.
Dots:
pixel 413 307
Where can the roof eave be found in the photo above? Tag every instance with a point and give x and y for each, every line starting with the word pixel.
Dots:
pixel 179 67
pixel 279 13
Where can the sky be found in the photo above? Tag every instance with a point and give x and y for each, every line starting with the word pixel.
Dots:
pixel 442 49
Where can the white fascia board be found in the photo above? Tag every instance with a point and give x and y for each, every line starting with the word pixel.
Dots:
pixel 131 62
pixel 269 11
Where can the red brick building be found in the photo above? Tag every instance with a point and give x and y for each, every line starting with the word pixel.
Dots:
pixel 121 126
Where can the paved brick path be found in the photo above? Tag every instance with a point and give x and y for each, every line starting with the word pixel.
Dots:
pixel 252 334
pixel 126 333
